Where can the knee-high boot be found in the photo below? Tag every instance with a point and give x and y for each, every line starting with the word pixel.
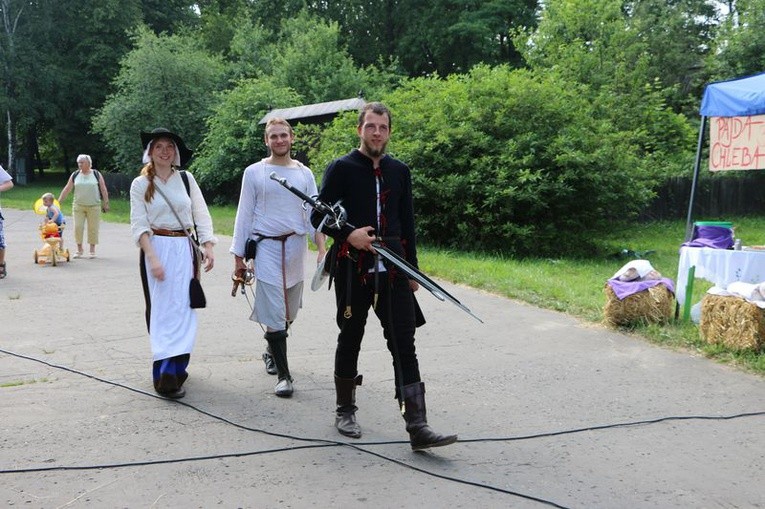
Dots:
pixel 277 343
pixel 421 436
pixel 345 415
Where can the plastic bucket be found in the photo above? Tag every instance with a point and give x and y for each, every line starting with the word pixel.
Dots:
pixel 714 234
pixel 722 224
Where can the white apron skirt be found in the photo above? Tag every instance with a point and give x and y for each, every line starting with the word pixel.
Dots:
pixel 173 323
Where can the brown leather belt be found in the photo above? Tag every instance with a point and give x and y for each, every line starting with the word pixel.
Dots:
pixel 168 233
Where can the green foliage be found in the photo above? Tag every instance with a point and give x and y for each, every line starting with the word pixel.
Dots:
pixel 170 16
pixel 741 42
pixel 611 48
pixel 270 13
pixel 325 144
pixel 252 51
pixel 311 60
pixel 678 37
pixel 165 81
pixel 82 75
pixel 625 46
pixel 519 163
pixel 234 139
pixel 221 21
pixel 662 139
pixel 438 36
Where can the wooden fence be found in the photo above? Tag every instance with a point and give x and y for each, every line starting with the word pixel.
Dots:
pixel 716 198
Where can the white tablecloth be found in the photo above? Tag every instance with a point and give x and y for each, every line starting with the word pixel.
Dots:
pixel 719 266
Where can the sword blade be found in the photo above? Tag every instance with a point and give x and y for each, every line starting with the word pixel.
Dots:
pixel 430 285
pixel 386 253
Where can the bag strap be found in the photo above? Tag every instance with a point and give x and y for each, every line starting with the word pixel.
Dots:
pixel 186 184
pixel 180 222
pixel 185 178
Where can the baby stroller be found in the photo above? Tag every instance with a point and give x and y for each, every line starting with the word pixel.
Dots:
pixel 52 250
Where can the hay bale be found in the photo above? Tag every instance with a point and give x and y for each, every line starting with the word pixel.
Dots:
pixel 654 305
pixel 732 321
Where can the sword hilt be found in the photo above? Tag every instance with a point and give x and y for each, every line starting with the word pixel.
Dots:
pixel 334 216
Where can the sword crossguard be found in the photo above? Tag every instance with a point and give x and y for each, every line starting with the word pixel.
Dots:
pixel 335 217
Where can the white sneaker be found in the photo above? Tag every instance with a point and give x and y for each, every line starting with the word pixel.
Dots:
pixel 284 388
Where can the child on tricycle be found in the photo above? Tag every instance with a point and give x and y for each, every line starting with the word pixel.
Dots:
pixel 51 231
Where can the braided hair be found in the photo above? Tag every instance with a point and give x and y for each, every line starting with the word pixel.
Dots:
pixel 148 172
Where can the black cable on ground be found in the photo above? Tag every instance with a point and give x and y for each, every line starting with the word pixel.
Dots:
pixel 320 443
pixel 317 442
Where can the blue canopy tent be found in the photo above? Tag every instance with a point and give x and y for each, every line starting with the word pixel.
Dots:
pixel 734 98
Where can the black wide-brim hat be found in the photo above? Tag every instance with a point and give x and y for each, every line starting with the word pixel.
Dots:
pixel 184 153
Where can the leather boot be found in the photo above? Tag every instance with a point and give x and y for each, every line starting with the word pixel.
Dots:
pixel 421 436
pixel 277 344
pixel 268 360
pixel 345 415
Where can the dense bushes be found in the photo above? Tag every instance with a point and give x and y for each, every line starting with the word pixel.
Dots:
pixel 510 162
pixel 234 138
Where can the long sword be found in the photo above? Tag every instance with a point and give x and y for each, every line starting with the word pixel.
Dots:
pixel 334 216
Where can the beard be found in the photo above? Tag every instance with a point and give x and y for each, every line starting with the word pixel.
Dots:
pixel 372 151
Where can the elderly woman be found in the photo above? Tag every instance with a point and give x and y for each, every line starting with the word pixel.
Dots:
pixel 90 199
pixel 166 204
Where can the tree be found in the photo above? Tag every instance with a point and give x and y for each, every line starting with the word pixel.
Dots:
pixel 678 36
pixel 169 16
pixel 271 13
pixel 66 55
pixel 218 23
pixel 740 47
pixel 625 46
pixel 252 51
pixel 451 36
pixel 510 161
pixel 595 43
pixel 90 38
pixel 310 59
pixel 11 12
pixel 368 29
pixel 234 138
pixel 441 36
pixel 587 41
pixel 165 81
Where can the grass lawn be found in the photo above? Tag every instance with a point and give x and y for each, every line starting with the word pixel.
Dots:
pixel 573 286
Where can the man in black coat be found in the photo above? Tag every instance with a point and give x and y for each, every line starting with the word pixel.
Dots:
pixel 375 190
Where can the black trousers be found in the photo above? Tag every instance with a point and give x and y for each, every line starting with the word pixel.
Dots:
pixel 396 311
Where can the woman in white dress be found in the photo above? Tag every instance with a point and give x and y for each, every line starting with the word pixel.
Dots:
pixel 167 257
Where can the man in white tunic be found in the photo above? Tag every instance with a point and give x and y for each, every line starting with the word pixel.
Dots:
pixel 276 220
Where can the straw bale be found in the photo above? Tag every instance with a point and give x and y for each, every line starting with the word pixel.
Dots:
pixel 733 322
pixel 654 305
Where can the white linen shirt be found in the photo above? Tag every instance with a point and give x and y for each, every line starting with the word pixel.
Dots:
pixel 266 208
pixel 157 214
pixel 4 176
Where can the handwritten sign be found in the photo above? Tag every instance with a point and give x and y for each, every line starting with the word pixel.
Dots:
pixel 737 143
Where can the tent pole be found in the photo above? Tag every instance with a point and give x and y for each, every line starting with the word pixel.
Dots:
pixel 696 166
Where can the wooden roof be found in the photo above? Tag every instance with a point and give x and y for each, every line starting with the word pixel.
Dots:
pixel 315 112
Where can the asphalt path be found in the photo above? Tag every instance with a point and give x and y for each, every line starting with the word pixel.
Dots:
pixel 550 411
